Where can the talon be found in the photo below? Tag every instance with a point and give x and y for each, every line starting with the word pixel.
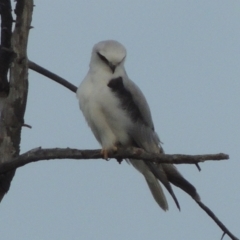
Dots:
pixel 104 152
pixel 115 148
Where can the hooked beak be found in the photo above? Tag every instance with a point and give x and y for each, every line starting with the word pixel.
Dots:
pixel 112 67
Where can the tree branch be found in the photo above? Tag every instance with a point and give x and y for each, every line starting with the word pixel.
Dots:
pixel 217 221
pixel 35 67
pixel 39 154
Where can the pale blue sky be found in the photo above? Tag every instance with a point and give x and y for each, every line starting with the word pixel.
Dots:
pixel 185 56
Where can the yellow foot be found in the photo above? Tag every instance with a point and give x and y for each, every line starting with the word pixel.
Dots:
pixel 104 152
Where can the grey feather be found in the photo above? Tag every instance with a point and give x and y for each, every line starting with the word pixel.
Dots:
pixel 152 182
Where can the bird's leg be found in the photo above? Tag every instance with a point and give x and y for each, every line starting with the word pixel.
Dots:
pixel 105 151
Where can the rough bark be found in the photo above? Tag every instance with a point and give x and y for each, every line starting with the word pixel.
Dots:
pixel 12 107
pixel 39 154
pixel 5 48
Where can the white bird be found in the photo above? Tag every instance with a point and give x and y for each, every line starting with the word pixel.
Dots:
pixel 119 116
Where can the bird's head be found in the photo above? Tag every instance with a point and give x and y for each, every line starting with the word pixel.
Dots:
pixel 109 55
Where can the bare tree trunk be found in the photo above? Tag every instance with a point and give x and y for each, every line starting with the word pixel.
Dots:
pixel 12 106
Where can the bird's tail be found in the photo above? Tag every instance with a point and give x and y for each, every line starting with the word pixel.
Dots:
pixel 175 177
pixel 166 174
pixel 152 182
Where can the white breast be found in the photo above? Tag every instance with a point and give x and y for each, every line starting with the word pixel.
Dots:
pixel 103 112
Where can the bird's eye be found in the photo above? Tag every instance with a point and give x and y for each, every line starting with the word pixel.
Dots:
pixel 103 58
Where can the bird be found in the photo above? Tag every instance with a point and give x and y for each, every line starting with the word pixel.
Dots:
pixel 119 116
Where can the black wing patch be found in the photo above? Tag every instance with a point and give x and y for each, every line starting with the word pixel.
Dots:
pixel 126 99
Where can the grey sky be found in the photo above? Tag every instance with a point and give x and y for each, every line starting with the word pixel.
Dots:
pixel 185 56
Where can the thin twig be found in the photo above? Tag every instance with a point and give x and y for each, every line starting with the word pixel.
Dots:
pixel 198 167
pixel 52 76
pixel 27 125
pixel 217 221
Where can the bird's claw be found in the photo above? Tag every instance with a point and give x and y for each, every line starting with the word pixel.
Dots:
pixel 104 152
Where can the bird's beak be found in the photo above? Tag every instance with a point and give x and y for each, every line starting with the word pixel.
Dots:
pixel 112 67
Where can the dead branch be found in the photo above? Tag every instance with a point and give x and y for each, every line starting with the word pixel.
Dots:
pixel 39 154
pixel 35 67
pixel 217 221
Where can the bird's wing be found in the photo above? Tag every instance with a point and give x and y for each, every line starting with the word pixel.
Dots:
pixel 143 135
pixel 133 102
